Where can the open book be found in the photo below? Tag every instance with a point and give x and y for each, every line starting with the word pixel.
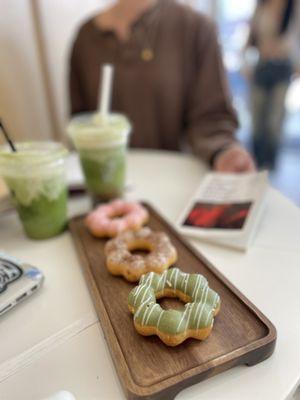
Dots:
pixel 225 209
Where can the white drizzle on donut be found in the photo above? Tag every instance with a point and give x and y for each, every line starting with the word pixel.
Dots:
pixel 201 310
pixel 161 252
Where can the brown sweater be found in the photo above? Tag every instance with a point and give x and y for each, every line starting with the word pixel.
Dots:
pixel 179 96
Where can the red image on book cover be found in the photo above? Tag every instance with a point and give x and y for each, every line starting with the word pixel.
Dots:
pixel 218 216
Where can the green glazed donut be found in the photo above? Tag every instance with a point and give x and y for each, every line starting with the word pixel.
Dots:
pixel 174 326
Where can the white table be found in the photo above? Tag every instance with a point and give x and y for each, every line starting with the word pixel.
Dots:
pixel 53 341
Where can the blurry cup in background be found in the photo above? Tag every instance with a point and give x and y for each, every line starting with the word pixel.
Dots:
pixel 35 175
pixel 102 147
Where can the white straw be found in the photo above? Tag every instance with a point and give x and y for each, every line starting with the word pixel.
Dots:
pixel 106 89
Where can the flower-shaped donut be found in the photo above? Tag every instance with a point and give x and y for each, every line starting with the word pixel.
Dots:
pixel 174 326
pixel 120 260
pixel 108 220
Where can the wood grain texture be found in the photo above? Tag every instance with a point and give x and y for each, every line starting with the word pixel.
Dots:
pixel 147 368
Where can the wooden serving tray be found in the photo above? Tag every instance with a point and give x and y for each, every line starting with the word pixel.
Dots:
pixel 147 368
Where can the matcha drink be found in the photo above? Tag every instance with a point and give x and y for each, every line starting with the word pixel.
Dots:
pixel 35 175
pixel 102 146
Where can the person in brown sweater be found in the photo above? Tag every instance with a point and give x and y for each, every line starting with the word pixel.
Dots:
pixel 169 79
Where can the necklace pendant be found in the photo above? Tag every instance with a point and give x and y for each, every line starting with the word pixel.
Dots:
pixel 147 54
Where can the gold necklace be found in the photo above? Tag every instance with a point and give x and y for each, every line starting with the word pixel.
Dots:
pixel 150 32
pixel 147 54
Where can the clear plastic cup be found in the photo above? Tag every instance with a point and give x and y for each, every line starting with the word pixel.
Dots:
pixel 102 147
pixel 35 175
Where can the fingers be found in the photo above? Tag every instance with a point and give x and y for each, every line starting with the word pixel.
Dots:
pixel 242 163
pixel 235 159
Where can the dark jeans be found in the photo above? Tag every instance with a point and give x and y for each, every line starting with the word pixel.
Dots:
pixel 270 84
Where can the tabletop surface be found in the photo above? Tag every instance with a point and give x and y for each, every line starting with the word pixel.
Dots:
pixel 53 341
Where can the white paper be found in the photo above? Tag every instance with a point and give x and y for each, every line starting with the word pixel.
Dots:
pixel 225 208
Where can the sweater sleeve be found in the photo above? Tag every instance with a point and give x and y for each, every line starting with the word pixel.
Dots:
pixel 295 39
pixel 210 118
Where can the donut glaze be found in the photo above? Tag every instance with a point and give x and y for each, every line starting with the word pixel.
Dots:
pixel 120 260
pixel 174 326
pixel 108 220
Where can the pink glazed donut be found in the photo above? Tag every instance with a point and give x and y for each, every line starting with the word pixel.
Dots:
pixel 108 220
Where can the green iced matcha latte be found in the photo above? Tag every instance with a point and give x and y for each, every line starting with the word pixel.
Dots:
pixel 102 145
pixel 35 176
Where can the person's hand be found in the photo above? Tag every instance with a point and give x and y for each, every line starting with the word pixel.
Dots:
pixel 234 159
pixel 247 72
pixel 296 74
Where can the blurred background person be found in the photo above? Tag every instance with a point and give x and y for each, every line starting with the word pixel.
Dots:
pixel 274 34
pixel 169 79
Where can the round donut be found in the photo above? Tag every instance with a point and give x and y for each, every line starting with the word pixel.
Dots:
pixel 174 326
pixel 120 261
pixel 108 220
